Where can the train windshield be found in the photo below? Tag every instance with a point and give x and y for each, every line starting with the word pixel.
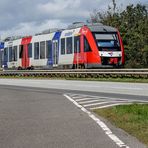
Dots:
pixel 107 41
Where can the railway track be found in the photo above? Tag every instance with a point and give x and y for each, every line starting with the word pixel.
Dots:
pixel 79 73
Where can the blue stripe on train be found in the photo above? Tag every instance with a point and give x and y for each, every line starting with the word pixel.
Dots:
pixel 56 37
pixel 1 45
pixel 4 60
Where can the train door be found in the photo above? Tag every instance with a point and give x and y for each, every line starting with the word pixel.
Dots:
pixel 55 48
pixel 24 52
pixel 24 56
pixel 55 52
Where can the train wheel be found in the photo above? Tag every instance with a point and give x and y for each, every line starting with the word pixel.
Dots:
pixel 19 68
pixel 74 66
pixel 32 67
pixel 82 66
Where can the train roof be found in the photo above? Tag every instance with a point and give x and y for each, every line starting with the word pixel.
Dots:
pixel 48 31
pixel 102 28
pixel 94 27
pixel 12 38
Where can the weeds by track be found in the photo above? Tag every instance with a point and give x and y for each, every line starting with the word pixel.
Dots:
pixel 79 73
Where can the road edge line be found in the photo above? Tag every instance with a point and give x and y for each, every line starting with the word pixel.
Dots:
pixel 104 127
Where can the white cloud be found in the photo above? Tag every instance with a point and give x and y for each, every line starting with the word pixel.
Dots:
pixel 25 29
pixel 28 17
pixel 63 9
pixel 58 5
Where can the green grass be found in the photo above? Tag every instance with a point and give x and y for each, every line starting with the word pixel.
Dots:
pixel 131 118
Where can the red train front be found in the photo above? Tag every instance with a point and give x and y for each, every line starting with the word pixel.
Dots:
pixel 91 46
pixel 101 46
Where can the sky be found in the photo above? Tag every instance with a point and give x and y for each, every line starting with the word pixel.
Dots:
pixel 27 17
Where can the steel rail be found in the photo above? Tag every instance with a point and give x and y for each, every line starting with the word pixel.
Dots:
pixel 73 72
pixel 95 73
pixel 80 70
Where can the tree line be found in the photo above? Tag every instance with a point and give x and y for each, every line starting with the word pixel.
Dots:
pixel 132 22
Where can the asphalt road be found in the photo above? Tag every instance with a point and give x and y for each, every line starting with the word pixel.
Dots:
pixel 44 118
pixel 138 89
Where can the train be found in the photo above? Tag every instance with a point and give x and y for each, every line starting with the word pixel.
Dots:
pixel 80 45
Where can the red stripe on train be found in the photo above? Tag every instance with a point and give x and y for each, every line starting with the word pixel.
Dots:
pixel 25 58
pixel 122 48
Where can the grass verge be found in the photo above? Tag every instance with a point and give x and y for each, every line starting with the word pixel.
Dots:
pixel 131 118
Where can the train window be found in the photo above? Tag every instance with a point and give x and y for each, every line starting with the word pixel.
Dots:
pixel 14 54
pixel 20 51
pixel 69 45
pixel 30 50
pixel 36 50
pixel 107 41
pixel 48 49
pixel 63 46
pixel 86 45
pixel 2 56
pixel 77 44
pixel 6 54
pixel 42 50
pixel 10 54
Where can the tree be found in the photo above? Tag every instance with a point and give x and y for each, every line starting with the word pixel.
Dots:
pixel 133 26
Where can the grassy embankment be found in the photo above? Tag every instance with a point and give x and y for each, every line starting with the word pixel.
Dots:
pixel 131 118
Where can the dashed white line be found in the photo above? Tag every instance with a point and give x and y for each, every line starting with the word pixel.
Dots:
pixel 110 105
pixel 119 101
pixel 107 131
pixel 95 104
pixel 83 99
pixel 77 97
pixel 84 102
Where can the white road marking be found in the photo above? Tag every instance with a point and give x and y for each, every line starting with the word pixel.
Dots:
pixel 109 98
pixel 83 99
pixel 83 95
pixel 104 103
pixel 107 131
pixel 99 98
pixel 95 104
pixel 90 101
pixel 110 105
pixel 72 95
pixel 77 97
